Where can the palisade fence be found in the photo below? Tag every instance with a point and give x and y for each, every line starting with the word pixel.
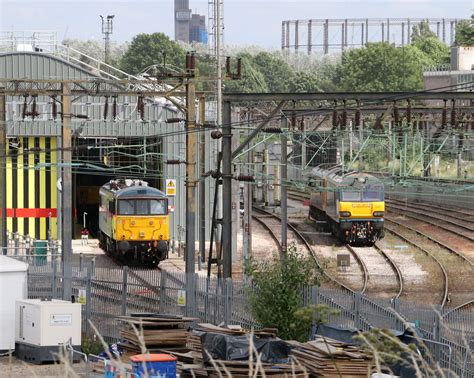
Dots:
pixel 111 292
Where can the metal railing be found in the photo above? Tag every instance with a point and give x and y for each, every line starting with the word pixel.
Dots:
pixel 109 292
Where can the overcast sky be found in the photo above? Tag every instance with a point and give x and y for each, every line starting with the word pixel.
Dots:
pixel 253 22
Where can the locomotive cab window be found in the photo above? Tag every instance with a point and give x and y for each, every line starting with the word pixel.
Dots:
pixel 126 207
pixel 143 207
pixel 158 207
pixel 373 194
pixel 350 196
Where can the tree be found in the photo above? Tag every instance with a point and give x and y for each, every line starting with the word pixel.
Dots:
pixel 305 82
pixel 383 67
pixel 148 49
pixel 276 72
pixel 276 296
pixel 425 39
pixel 465 32
pixel 421 31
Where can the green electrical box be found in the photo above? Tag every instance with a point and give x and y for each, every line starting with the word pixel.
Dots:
pixel 41 252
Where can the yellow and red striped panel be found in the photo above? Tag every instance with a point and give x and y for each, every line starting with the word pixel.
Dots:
pixel 31 172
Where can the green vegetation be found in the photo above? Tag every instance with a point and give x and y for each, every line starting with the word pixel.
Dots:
pixel 276 297
pixel 377 67
pixel 465 32
pixel 90 345
pixel 148 49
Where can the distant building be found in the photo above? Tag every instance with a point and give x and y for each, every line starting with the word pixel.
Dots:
pixel 457 76
pixel 188 27
pixel 197 29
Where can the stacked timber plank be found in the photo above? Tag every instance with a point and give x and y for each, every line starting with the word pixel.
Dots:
pixel 154 332
pixel 237 368
pixel 331 358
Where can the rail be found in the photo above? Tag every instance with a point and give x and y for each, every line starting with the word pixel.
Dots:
pixel 363 267
pixel 395 268
pixel 443 270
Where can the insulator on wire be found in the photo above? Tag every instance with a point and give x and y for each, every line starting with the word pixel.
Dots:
pixel 444 115
pixel 81 116
pixel 453 114
pixel 174 120
pixel 357 118
pixel 461 141
pixel 216 134
pixel 408 111
pixel 239 68
pixel 334 115
pixel 245 178
pixel 227 66
pixel 55 107
pixel 272 130
pixel 114 108
pixel 216 174
pixel 193 61
pixel 188 61
pixel 344 117
pixel 33 109
pixel 106 107
pixel 396 114
pixel 141 107
pixel 302 125
pixel 173 162
pixel 23 111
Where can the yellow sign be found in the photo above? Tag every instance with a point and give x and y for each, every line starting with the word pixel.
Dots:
pixel 182 298
pixel 170 187
pixel 82 296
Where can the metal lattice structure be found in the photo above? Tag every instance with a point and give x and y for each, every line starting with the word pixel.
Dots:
pixel 335 35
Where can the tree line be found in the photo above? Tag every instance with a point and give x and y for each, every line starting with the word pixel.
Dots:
pixel 378 66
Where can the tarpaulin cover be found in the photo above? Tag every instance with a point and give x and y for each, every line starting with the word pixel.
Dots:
pixel 235 348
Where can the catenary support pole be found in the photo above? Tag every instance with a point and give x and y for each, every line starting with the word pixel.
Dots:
pixel 247 226
pixel 3 175
pixel 190 177
pixel 227 189
pixel 283 187
pixel 202 182
pixel 66 198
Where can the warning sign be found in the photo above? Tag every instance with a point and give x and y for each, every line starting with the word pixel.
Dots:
pixel 82 296
pixel 181 297
pixel 170 187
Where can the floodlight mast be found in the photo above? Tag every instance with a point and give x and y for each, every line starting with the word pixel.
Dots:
pixel 107 29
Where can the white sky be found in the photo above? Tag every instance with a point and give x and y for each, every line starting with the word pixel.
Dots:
pixel 247 22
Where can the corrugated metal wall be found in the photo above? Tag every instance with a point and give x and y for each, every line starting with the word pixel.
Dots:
pixel 32 192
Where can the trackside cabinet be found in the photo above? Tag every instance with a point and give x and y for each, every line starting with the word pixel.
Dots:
pixel 43 326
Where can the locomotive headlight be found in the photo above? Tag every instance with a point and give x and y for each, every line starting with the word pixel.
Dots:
pixel 344 213
pixel 378 213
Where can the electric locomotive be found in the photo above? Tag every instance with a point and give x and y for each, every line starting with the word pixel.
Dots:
pixel 351 204
pixel 134 222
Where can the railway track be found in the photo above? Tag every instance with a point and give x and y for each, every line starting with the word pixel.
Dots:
pixel 307 246
pixel 376 281
pixel 457 269
pixel 461 228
